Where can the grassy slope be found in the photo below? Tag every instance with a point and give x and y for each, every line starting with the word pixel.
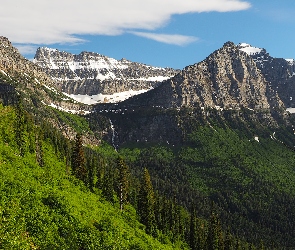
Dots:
pixel 44 208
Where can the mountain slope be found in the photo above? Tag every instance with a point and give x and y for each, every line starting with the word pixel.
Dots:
pixel 93 74
pixel 44 207
pixel 227 79
pixel 243 166
pixel 279 72
pixel 22 80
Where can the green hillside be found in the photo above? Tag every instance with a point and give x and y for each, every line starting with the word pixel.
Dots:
pixel 43 206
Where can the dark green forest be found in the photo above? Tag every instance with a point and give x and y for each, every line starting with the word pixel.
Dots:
pixel 221 189
pixel 243 167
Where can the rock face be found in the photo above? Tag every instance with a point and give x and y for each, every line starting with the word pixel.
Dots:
pixel 279 72
pixel 21 77
pixel 12 62
pixel 227 83
pixel 227 79
pixel 91 73
pixel 29 78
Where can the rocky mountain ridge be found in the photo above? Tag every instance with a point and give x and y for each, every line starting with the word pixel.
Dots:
pixel 227 79
pixel 90 73
pixel 21 79
pixel 27 76
pixel 227 84
pixel 279 72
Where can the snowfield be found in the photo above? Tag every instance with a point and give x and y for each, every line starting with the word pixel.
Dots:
pixel 101 98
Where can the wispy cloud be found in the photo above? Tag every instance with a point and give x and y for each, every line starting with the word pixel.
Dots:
pixel 281 15
pixel 167 38
pixel 26 49
pixel 60 21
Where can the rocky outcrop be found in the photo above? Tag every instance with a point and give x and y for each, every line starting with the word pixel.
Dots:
pixel 227 79
pixel 227 84
pixel 90 73
pixel 21 77
pixel 279 72
pixel 12 62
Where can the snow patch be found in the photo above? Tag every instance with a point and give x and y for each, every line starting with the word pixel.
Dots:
pixel 250 50
pixel 101 98
pixel 71 111
pixel 291 62
pixel 109 75
pixel 50 88
pixel 154 78
pixel 291 110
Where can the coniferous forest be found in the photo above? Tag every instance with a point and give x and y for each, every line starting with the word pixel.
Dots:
pixel 228 192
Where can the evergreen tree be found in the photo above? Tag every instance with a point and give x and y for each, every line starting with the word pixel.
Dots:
pixel 193 235
pixel 146 203
pixel 20 126
pixel 228 242
pixel 78 159
pixel 92 169
pixel 123 183
pixel 215 236
pixel 219 235
pixel 261 247
pixel 39 150
pixel 107 186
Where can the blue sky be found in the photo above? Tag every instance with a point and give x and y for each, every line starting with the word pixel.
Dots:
pixel 165 33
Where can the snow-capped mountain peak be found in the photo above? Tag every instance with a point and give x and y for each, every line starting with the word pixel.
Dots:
pixel 250 50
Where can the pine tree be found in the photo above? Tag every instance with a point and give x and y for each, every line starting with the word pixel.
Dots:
pixel 20 126
pixel 261 247
pixel 215 237
pixel 146 203
pixel 238 245
pixel 123 183
pixel 39 150
pixel 108 186
pixel 92 169
pixel 193 237
pixel 228 242
pixel 78 159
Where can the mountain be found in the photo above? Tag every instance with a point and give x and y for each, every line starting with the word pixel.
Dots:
pixel 22 80
pixel 227 79
pixel 103 78
pixel 279 72
pixel 217 132
pixel 29 79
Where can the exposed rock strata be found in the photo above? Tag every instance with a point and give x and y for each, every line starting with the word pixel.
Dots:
pixel 90 73
pixel 19 76
pixel 280 73
pixel 227 79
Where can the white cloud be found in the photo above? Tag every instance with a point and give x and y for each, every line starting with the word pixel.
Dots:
pixel 26 49
pixel 166 38
pixel 60 21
